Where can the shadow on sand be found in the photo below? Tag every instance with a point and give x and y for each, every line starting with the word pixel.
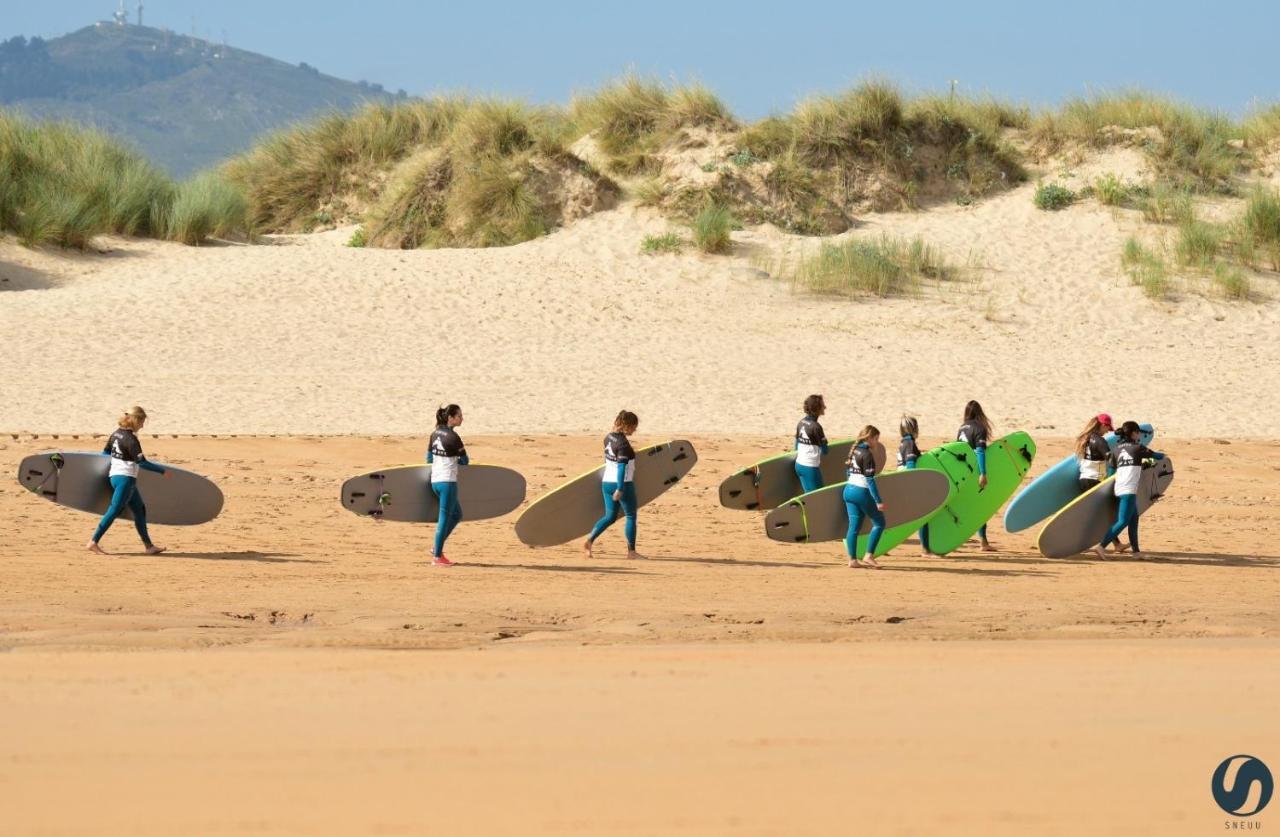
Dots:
pixel 554 568
pixel 248 555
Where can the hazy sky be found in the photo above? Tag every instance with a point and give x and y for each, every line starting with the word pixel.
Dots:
pixel 760 57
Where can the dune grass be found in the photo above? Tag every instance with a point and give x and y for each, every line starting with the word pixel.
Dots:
pixel 64 185
pixel 1261 127
pixel 711 229
pixel 1190 147
pixel 1167 204
pixel 665 243
pixel 1147 269
pixel 1231 282
pixel 878 267
pixel 1198 243
pixel 633 117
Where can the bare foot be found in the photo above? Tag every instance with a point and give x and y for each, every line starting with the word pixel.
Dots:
pixel 1120 547
pixel 586 547
pixel 1140 556
pixel 870 562
pixel 95 549
pixel 987 547
pixel 1102 555
pixel 155 550
pixel 854 564
pixel 634 556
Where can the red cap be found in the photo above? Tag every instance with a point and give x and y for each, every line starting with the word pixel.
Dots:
pixel 1105 420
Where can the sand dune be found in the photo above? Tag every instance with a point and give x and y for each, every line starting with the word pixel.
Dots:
pixel 308 336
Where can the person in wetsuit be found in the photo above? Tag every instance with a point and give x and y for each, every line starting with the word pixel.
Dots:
pixel 126 461
pixel 908 457
pixel 445 453
pixel 976 432
pixel 862 498
pixel 811 444
pixel 1092 451
pixel 618 482
pixel 1128 460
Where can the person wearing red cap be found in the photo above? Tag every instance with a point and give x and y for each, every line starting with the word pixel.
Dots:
pixel 1092 451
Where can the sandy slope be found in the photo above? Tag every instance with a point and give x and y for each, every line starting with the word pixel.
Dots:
pixel 307 336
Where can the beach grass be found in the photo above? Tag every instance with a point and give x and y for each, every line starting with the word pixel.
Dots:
pixel 1147 269
pixel 1231 282
pixel 666 243
pixel 1198 243
pixel 879 267
pixel 711 229
pixel 1053 196
pixel 64 185
pixel 207 206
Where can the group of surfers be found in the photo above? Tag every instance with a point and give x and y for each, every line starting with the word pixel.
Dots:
pixel 446 453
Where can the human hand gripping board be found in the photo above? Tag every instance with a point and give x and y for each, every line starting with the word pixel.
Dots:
pixel 79 480
pixel 403 493
pixel 568 512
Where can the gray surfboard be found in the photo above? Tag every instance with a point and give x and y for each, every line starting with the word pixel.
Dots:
pixel 78 480
pixel 570 511
pixel 404 493
pixel 1084 522
pixel 910 499
pixel 771 482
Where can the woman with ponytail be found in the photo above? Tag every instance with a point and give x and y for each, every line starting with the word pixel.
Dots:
pixel 1092 451
pixel 444 454
pixel 126 460
pixel 618 483
pixel 908 458
pixel 976 432
pixel 862 498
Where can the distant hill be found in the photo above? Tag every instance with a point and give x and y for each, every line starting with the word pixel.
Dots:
pixel 184 102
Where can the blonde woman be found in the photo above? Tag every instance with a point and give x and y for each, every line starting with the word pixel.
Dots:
pixel 126 461
pixel 862 498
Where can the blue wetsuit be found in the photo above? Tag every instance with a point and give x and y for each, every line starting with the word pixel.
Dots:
pixel 619 475
pixel 445 453
pixel 126 460
pixel 860 499
pixel 810 447
pixel 975 434
pixel 908 458
pixel 1127 461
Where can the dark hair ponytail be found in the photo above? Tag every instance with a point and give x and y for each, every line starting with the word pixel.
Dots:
pixel 1128 429
pixel 445 413
pixel 973 413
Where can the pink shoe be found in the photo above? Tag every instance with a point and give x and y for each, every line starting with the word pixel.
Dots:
pixel 442 561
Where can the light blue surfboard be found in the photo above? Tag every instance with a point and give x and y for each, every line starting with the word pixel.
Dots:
pixel 1052 490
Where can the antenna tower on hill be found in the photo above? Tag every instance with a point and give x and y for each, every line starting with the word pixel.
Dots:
pixel 121 16
pixel 139 12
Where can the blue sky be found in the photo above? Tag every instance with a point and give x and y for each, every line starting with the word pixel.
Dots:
pixel 760 57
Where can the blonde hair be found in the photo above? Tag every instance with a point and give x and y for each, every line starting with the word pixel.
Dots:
pixel 626 419
pixel 1094 426
pixel 132 418
pixel 868 433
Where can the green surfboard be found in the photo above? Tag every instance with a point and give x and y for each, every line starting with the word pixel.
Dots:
pixel 1008 460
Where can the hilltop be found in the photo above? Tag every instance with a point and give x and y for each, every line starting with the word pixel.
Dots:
pixel 184 102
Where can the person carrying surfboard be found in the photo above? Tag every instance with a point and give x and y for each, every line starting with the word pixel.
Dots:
pixel 126 461
pixel 1128 460
pixel 444 454
pixel 1092 451
pixel 976 432
pixel 862 498
pixel 618 482
pixel 811 444
pixel 908 457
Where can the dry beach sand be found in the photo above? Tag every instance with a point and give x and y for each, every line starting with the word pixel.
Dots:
pixel 293 669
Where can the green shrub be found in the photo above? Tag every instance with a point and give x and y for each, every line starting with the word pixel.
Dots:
pixel 881 267
pixel 665 243
pixel 711 228
pixel 1262 216
pixel 1052 196
pixel 1146 269
pixel 358 238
